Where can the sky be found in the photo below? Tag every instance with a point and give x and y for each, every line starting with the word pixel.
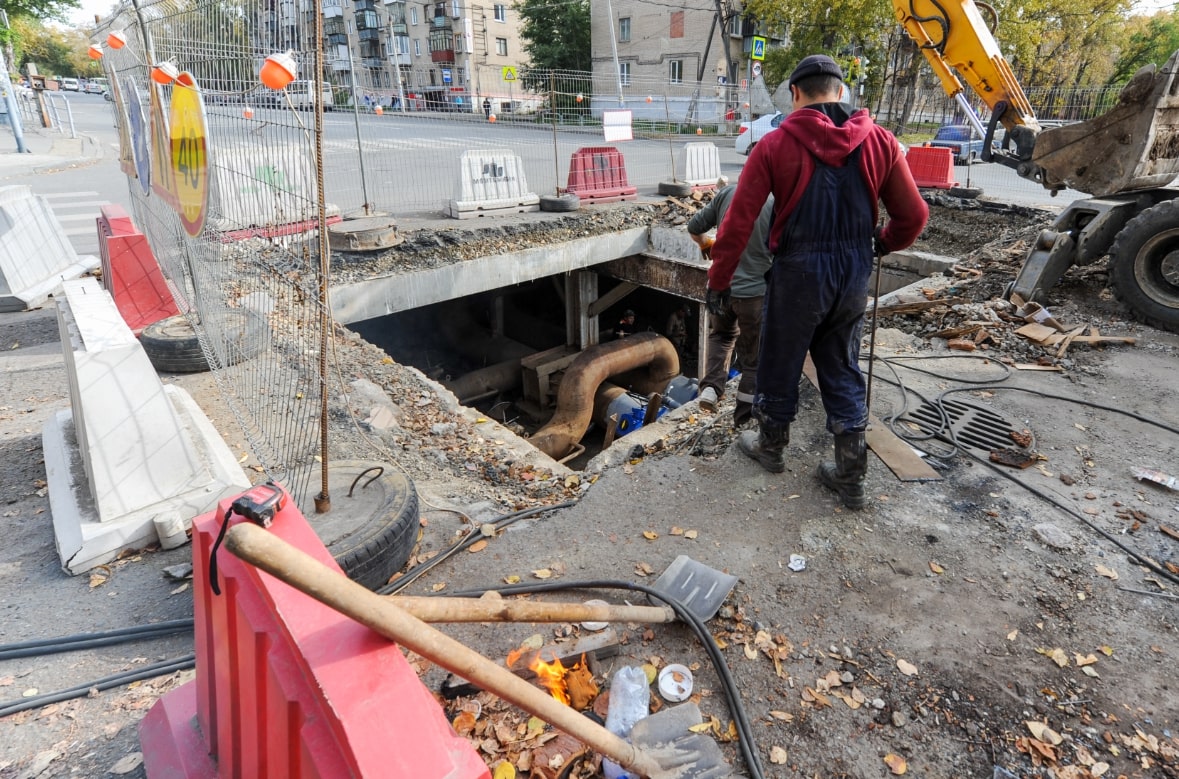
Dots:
pixel 84 15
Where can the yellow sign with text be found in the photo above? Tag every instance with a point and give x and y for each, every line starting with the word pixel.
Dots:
pixel 189 154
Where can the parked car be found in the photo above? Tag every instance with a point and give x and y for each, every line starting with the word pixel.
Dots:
pixel 94 88
pixel 960 140
pixel 70 85
pixel 749 133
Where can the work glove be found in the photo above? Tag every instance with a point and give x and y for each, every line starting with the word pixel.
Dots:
pixel 717 301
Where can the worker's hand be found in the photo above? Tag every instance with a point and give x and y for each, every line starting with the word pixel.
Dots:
pixel 717 301
pixel 878 243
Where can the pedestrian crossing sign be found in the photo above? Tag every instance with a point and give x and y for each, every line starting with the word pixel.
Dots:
pixel 758 52
pixel 509 73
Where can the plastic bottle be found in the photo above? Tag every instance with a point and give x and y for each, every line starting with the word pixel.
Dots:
pixel 630 701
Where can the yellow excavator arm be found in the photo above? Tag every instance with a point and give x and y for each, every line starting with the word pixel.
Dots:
pixel 1134 146
pixel 956 41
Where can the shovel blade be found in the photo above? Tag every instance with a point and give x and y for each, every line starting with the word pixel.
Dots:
pixel 700 588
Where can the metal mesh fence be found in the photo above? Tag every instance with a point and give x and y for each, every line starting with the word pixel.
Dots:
pixel 232 181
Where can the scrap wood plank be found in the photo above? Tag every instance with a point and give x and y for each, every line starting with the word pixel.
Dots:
pixel 900 458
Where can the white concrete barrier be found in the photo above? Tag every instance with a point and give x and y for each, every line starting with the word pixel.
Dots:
pixel 35 255
pixel 128 450
pixel 700 163
pixel 491 181
pixel 265 188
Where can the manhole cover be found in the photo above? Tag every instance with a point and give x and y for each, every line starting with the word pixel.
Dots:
pixel 974 427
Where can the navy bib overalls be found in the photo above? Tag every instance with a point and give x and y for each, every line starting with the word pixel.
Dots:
pixel 815 299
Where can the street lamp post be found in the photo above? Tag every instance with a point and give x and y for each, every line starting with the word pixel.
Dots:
pixel 10 98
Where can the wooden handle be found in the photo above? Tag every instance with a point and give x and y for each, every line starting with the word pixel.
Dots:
pixel 497 609
pixel 311 577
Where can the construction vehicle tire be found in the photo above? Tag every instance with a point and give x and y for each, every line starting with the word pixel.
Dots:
pixel 1144 266
pixel 173 347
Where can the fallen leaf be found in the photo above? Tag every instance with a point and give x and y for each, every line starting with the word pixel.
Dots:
pixel 543 573
pixel 179 589
pixel 464 723
pixel 1011 636
pixel 512 579
pixel 1106 650
pixel 504 770
pixel 487 530
pixel 785 716
pixel 1089 670
pixel 703 727
pixel 127 763
pixel 644 569
pixel 905 667
pixel 691 534
pixel 814 696
pixel 896 764
pixel 650 535
pixel 750 652
pixel 1042 732
pixel 1057 655
pixel 936 568
pixel 777 756
pixel 1082 660
pixel 1098 769
pixel 1108 573
pixel 478 546
pixel 676 531
pixel 572 481
pixel 99 575
pixel 438 587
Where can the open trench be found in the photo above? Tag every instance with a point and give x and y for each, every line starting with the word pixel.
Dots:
pixel 528 338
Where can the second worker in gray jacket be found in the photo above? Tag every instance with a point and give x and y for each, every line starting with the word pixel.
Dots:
pixel 740 323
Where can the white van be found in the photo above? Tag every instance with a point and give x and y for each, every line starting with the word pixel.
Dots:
pixel 70 85
pixel 302 95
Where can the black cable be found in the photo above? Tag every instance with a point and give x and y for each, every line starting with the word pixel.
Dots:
pixel 91 641
pixel 947 430
pixel 410 576
pixel 744 730
pixel 105 683
pixel 174 625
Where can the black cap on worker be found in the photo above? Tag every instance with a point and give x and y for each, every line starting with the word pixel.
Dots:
pixel 815 65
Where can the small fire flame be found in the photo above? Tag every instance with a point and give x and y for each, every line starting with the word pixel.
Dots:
pixel 552 677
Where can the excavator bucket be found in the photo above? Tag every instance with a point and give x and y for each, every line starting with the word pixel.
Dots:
pixel 1133 146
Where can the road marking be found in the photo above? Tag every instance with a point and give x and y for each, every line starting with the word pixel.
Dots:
pixel 63 195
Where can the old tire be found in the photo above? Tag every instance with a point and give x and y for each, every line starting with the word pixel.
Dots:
pixel 560 203
pixel 966 193
pixel 173 347
pixel 371 534
pixel 1144 266
pixel 674 188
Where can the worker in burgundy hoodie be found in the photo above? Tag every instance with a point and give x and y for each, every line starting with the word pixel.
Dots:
pixel 827 170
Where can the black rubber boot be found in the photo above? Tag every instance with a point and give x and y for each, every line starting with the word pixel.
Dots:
pixel 849 472
pixel 767 445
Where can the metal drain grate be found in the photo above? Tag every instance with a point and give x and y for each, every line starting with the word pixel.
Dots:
pixel 975 427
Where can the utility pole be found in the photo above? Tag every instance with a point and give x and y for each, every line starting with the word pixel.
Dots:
pixel 614 52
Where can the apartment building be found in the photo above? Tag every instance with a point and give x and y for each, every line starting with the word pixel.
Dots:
pixel 687 58
pixel 442 55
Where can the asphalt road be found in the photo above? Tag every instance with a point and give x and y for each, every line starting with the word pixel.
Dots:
pixel 407 164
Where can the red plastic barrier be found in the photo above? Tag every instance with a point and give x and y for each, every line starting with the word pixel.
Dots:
pixel 287 687
pixel 932 166
pixel 597 174
pixel 130 271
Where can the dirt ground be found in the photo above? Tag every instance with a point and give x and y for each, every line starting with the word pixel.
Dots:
pixel 998 622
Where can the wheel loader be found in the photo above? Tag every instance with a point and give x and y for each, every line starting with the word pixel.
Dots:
pixel 1127 158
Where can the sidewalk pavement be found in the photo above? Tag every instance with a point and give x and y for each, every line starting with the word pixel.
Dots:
pixel 46 149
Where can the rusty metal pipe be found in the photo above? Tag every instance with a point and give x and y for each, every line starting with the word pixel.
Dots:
pixel 575 398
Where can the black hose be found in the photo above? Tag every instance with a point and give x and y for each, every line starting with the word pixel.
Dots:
pixel 48 646
pixel 410 576
pixel 105 683
pixel 744 730
pixel 946 430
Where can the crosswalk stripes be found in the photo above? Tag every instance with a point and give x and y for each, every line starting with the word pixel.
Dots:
pixel 77 212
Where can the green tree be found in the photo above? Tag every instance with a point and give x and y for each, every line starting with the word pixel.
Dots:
pixel 556 34
pixel 1151 40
